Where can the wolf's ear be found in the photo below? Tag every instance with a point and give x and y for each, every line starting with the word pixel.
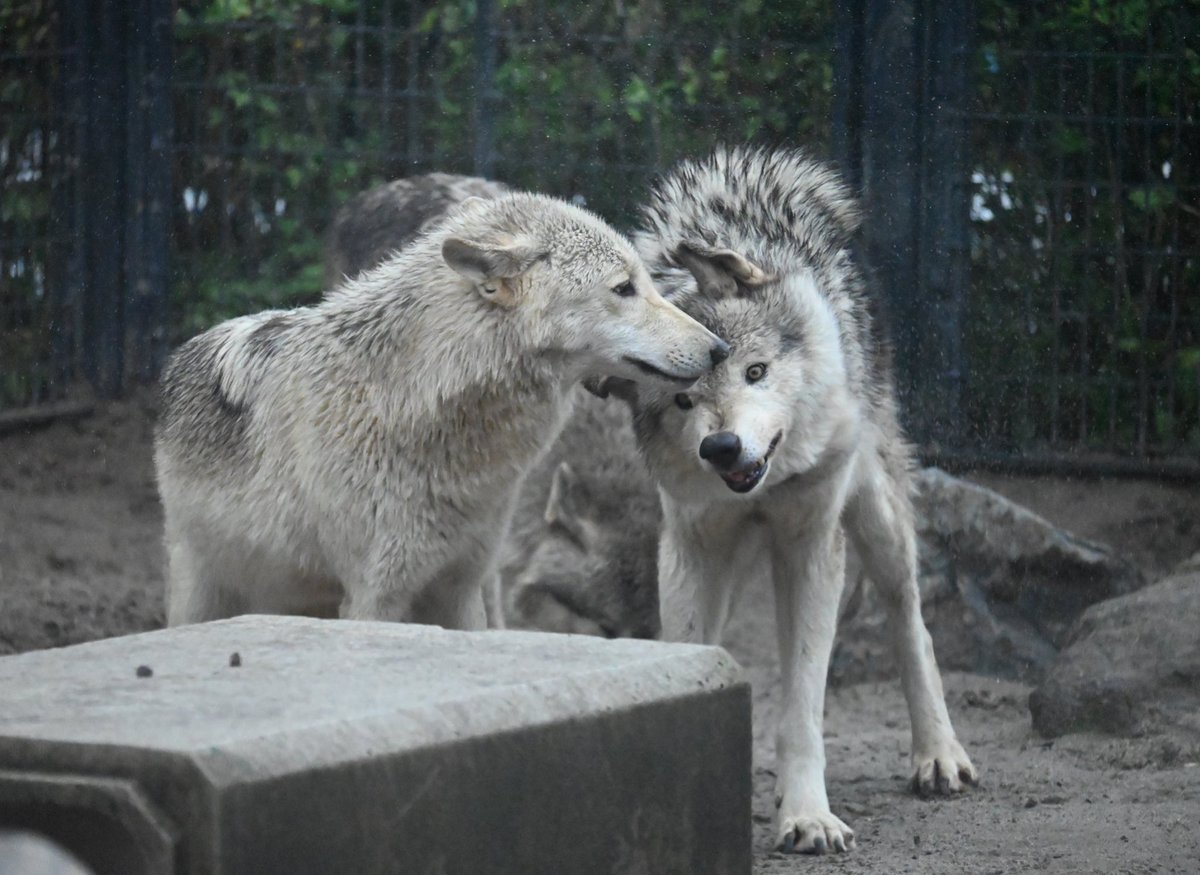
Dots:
pixel 561 510
pixel 473 202
pixel 602 387
pixel 488 265
pixel 721 273
pixel 560 484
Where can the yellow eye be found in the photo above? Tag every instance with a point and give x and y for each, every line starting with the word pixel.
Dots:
pixel 756 372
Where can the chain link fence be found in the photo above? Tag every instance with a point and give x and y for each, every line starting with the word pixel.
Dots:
pixel 1029 171
pixel 1084 325
pixel 280 118
pixel 39 315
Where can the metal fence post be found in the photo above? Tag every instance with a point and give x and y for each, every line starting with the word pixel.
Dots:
pixel 148 202
pixel 944 245
pixel 892 185
pixel 123 66
pixel 485 87
pixel 900 133
pixel 102 172
pixel 848 89
pixel 69 215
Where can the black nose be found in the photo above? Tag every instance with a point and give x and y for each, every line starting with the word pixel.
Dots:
pixel 719 353
pixel 722 449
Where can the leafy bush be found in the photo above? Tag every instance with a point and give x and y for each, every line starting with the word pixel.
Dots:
pixel 1082 330
pixel 286 108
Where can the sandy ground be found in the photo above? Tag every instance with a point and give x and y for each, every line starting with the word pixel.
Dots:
pixel 81 558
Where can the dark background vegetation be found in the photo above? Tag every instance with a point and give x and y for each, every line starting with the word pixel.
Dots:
pixel 1079 330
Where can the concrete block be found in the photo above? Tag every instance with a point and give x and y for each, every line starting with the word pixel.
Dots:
pixel 344 747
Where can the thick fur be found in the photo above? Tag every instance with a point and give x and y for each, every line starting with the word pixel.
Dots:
pixel 758 245
pixel 364 455
pixel 583 556
pixel 375 224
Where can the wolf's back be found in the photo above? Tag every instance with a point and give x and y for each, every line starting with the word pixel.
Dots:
pixel 209 385
pixel 771 205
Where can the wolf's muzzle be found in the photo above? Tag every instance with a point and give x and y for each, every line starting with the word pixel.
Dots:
pixel 722 449
pixel 646 368
pixel 719 353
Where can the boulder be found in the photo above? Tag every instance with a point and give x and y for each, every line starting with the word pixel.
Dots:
pixel 1000 586
pixel 1130 667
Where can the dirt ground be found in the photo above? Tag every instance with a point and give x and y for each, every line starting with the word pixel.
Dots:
pixel 81 558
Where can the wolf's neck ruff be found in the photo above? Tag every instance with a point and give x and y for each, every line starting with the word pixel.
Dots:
pixel 444 337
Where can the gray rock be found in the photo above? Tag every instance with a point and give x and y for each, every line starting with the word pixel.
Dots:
pixel 1000 586
pixel 376 748
pixel 1131 666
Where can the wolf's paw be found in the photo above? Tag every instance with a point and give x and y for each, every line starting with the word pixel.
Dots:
pixel 813 833
pixel 943 770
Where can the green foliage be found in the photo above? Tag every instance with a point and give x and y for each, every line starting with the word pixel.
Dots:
pixel 31 181
pixel 1081 327
pixel 307 102
pixel 1082 330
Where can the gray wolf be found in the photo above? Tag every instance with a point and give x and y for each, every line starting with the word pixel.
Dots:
pixel 581 558
pixel 788 447
pixel 363 455
pixel 374 224
pixel 583 555
pixel 574 563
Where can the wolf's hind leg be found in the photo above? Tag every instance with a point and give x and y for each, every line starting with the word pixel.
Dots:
pixel 879 519
pixel 197 588
pixel 700 564
pixel 452 605
pixel 376 603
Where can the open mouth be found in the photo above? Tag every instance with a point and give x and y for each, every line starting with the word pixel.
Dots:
pixel 747 478
pixel 647 368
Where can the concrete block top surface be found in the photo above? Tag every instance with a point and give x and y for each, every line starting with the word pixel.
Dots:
pixel 338 689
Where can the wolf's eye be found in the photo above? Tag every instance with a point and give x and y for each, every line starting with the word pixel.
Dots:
pixel 625 289
pixel 683 402
pixel 756 372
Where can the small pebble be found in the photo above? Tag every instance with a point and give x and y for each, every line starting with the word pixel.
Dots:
pixel 235 660
pixel 144 671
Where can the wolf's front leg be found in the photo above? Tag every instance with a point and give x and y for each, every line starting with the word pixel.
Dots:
pixel 808 572
pixel 880 521
pixel 700 560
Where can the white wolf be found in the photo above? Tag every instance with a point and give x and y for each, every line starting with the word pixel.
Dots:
pixel 787 444
pixel 366 452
